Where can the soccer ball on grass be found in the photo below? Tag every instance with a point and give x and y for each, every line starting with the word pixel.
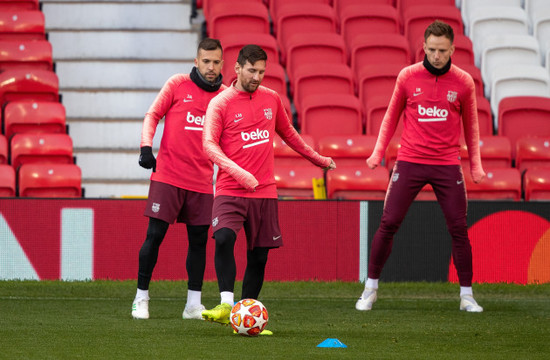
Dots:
pixel 249 317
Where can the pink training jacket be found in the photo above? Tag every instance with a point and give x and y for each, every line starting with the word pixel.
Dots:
pixel 433 107
pixel 238 137
pixel 180 160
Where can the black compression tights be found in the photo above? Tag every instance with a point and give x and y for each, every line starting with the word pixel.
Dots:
pixel 226 268
pixel 196 254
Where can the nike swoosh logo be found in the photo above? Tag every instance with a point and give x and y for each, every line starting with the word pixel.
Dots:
pixel 458 182
pixel 275 238
pixel 187 100
pixel 416 94
pixel 237 120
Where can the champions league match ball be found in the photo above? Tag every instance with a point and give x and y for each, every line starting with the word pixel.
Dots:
pixel 249 317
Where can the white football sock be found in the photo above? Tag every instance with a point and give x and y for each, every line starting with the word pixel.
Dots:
pixel 227 297
pixel 466 290
pixel 193 298
pixel 371 283
pixel 142 294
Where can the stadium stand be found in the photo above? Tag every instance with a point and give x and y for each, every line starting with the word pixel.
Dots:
pixel 310 48
pixel 350 150
pixel 532 151
pixel 29 84
pixel 41 148
pixel 537 184
pixel 357 183
pixel 7 181
pixel 36 54
pixel 296 181
pixel 467 8
pixel 332 114
pixel 403 5
pixel 366 50
pixel 484 116
pixel 22 25
pixel 340 5
pixel 391 153
pixel 515 80
pixel 285 156
pixel 499 184
pixel 276 5
pixel 541 31
pixel 377 80
pixel 50 180
pixel 312 79
pixel 302 18
pixel 226 18
pixel 208 5
pixel 476 75
pixel 495 151
pixel 40 116
pixel 523 116
pixel 374 111
pixel 368 19
pixel 500 50
pixel 19 5
pixel 3 149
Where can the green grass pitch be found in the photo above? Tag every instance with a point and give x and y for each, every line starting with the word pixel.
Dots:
pixel 91 320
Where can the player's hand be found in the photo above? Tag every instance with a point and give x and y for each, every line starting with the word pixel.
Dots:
pixel 331 166
pixel 250 183
pixel 477 175
pixel 147 159
pixel 373 162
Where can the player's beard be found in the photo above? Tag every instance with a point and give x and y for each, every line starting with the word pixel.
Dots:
pixel 250 86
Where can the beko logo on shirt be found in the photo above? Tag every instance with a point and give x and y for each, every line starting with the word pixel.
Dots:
pixel 195 120
pixel 259 136
pixel 433 113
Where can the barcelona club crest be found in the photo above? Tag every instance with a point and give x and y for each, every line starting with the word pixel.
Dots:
pixel 268 114
pixel 451 96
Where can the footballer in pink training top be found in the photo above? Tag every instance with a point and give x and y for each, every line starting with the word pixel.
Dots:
pixel 238 136
pixel 181 182
pixel 437 99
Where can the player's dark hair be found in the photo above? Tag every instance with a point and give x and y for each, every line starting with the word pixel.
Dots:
pixel 439 28
pixel 210 44
pixel 251 53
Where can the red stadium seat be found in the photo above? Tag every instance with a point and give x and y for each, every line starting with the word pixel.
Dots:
pixel 230 17
pixel 476 75
pixel 50 181
pixel 357 183
pixel 347 150
pixel 367 50
pixel 22 25
pixel 495 151
pixel 296 182
pixel 403 5
pixel 499 184
pixel 377 80
pixel 275 7
pixel 314 48
pixel 417 18
pixel 391 153
pixel 40 116
pixel 313 79
pixel 10 5
pixel 537 184
pixel 324 115
pixel 463 54
pixel 41 148
pixel 208 5
pixel 28 84
pixel 35 54
pixel 484 116
pixel 3 149
pixel 302 18
pixel 520 116
pixel 532 152
pixel 368 19
pixel 340 5
pixel 7 181
pixel 285 156
pixel 374 111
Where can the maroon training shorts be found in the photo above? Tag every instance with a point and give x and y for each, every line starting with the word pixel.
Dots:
pixel 170 203
pixel 259 217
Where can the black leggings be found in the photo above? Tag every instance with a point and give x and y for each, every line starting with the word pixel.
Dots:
pixel 196 253
pixel 226 269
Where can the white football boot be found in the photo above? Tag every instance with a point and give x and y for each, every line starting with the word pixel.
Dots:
pixel 368 297
pixel 467 303
pixel 193 312
pixel 140 309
